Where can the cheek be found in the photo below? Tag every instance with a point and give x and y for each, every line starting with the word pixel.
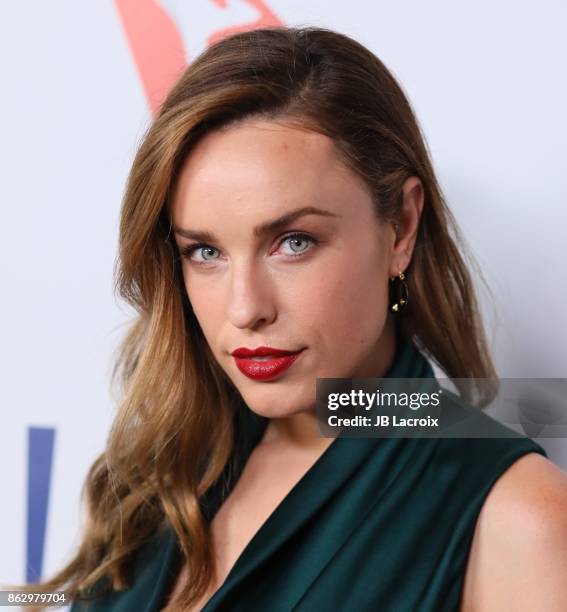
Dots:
pixel 207 306
pixel 352 306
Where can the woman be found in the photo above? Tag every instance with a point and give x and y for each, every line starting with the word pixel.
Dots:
pixel 284 198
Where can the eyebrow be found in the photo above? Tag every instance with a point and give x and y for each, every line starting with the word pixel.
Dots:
pixel 260 230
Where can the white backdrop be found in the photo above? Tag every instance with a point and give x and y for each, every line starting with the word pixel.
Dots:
pixel 484 78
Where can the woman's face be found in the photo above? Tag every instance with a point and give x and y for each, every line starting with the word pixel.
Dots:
pixel 316 282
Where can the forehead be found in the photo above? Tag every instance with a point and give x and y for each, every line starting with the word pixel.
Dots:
pixel 260 163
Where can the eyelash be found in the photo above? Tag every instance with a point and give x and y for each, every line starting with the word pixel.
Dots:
pixel 187 251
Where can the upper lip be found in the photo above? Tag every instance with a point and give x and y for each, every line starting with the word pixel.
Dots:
pixel 260 351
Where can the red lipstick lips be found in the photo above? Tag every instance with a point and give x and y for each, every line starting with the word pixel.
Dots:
pixel 273 363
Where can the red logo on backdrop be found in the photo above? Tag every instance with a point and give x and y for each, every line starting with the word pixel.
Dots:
pixel 157 43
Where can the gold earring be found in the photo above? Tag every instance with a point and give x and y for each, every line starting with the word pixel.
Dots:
pixel 399 287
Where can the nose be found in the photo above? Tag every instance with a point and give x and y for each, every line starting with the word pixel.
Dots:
pixel 250 297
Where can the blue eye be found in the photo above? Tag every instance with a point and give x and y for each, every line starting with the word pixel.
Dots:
pixel 297 237
pixel 188 251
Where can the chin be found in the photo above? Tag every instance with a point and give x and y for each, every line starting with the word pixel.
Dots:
pixel 275 400
pixel 271 408
pixel 268 414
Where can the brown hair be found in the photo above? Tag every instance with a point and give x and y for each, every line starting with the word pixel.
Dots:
pixel 174 431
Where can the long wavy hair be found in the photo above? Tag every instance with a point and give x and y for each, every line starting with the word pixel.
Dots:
pixel 174 432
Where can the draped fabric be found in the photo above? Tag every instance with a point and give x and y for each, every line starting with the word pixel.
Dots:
pixel 375 524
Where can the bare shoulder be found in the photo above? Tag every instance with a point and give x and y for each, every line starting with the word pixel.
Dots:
pixel 518 557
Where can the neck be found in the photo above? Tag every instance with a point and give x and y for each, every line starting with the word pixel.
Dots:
pixel 298 430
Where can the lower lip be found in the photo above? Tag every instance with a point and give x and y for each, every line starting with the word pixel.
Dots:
pixel 265 369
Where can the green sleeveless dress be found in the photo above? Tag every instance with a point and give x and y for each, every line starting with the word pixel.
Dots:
pixel 375 524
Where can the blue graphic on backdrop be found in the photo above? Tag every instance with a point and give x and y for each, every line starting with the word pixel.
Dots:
pixel 40 459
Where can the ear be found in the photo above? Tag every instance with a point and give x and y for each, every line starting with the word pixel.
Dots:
pixel 406 225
